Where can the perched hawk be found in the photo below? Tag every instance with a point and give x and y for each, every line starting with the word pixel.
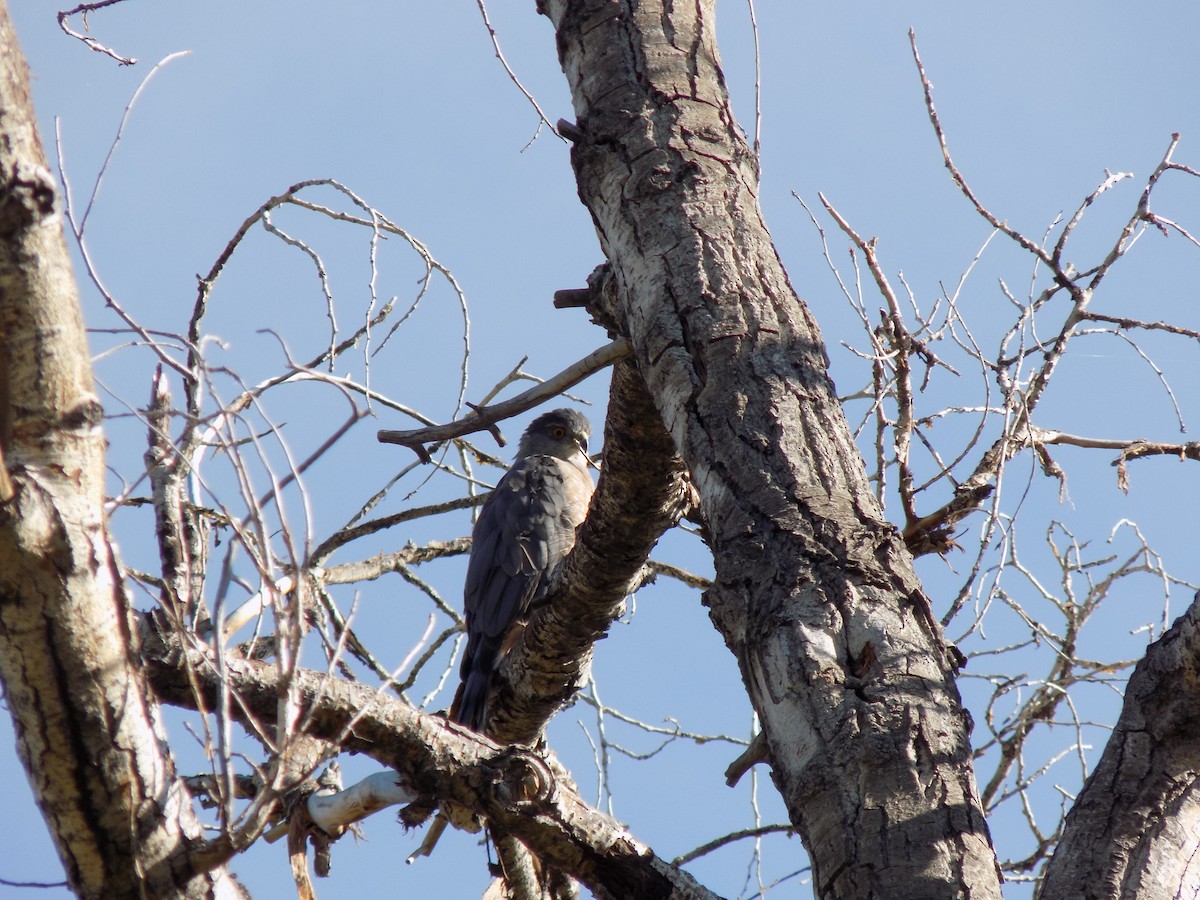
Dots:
pixel 524 530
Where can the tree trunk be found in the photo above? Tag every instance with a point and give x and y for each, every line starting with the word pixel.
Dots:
pixel 86 727
pixel 1134 831
pixel 815 592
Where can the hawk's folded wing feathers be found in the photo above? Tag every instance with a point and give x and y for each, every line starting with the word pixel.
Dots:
pixel 524 531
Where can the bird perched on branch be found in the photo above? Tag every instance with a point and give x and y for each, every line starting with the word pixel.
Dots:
pixel 524 530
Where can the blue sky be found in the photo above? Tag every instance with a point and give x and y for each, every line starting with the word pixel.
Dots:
pixel 408 106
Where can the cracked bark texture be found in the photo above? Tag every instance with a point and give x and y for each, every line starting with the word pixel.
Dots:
pixel 86 728
pixel 641 493
pixel 815 592
pixel 1134 830
pixel 516 789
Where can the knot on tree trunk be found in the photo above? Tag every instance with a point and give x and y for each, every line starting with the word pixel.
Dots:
pixel 520 780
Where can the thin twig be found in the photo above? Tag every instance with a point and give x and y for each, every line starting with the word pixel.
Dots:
pixel 513 75
pixel 91 42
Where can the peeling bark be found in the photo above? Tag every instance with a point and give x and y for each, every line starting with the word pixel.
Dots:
pixel 86 727
pixel 815 592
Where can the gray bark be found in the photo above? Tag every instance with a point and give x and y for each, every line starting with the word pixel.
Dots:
pixel 85 723
pixel 517 790
pixel 815 593
pixel 1134 831
pixel 641 493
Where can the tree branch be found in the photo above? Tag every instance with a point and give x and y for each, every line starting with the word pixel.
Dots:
pixel 814 591
pixel 87 728
pixel 514 788
pixel 485 418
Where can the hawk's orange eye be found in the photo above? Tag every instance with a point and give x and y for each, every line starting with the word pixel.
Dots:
pixel 558 433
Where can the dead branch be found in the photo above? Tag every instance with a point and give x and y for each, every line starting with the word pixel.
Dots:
pixel 91 42
pixel 486 418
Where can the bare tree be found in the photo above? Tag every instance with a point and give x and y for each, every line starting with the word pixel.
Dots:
pixel 720 411
pixel 86 721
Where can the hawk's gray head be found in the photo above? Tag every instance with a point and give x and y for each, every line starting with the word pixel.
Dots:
pixel 562 433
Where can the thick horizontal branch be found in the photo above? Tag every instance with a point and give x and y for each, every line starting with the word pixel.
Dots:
pixel 514 788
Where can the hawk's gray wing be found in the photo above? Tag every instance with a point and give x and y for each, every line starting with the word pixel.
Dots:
pixel 524 530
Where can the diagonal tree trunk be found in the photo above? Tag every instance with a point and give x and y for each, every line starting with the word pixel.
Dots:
pixel 815 592
pixel 1134 829
pixel 86 726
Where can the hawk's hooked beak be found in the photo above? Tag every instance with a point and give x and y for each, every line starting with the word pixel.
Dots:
pixel 591 462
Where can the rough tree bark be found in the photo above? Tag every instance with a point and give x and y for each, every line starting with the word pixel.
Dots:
pixel 641 493
pixel 867 738
pixel 1134 831
pixel 515 788
pixel 84 719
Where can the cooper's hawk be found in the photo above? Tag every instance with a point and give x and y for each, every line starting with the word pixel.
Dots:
pixel 524 530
